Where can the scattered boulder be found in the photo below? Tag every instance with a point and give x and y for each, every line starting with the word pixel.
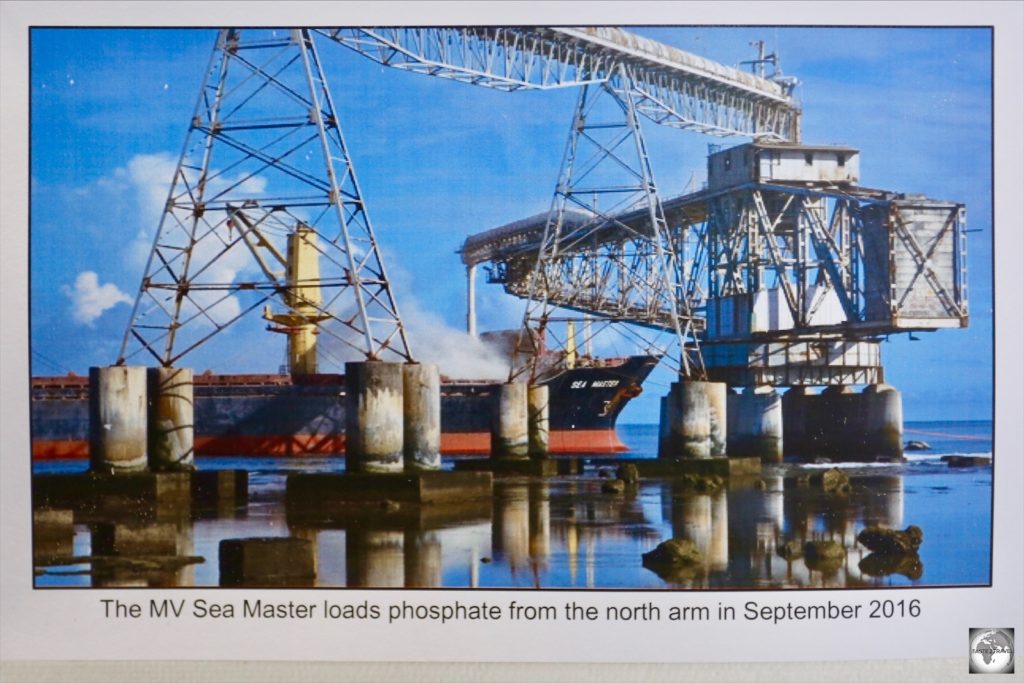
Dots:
pixel 707 484
pixel 628 473
pixel 790 550
pixel 761 485
pixel 966 461
pixel 891 541
pixel 916 446
pixel 613 486
pixel 605 473
pixel 881 564
pixel 700 483
pixel 673 552
pixel 824 556
pixel 831 481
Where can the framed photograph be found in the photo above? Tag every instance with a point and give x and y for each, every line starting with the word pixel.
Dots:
pixel 453 333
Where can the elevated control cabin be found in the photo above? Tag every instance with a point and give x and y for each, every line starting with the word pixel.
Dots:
pixel 762 162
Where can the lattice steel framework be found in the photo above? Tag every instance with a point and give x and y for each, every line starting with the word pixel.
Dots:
pixel 634 277
pixel 669 86
pixel 264 158
pixel 888 262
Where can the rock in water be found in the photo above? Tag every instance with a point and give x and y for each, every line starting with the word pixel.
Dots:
pixel 824 556
pixel 613 486
pixel 832 481
pixel 882 564
pixel 891 541
pixel 628 473
pixel 673 552
pixel 916 446
pixel 966 461
pixel 790 550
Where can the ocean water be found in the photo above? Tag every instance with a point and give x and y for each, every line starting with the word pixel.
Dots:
pixel 564 532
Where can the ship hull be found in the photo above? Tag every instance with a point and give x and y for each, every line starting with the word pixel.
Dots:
pixel 278 416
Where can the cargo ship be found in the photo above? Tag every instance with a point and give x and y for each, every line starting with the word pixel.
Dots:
pixel 301 411
pixel 286 415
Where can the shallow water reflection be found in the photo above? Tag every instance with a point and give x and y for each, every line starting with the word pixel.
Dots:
pixel 567 532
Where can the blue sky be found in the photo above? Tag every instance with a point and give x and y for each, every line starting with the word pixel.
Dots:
pixel 439 160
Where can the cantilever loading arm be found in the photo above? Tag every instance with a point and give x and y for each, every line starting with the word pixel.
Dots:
pixel 671 87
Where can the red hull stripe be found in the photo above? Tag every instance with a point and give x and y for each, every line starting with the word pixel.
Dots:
pixel 588 441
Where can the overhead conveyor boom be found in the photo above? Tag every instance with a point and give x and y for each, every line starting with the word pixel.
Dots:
pixel 671 87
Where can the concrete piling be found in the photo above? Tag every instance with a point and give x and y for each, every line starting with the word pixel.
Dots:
pixel 537 420
pixel 797 406
pixel 689 424
pixel 117 419
pixel 170 419
pixel 664 428
pixel 717 417
pixel 422 416
pixel 374 428
pixel 509 422
pixel 833 424
pixel 756 424
pixel 882 414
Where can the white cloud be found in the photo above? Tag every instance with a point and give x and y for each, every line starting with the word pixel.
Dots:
pixel 90 299
pixel 149 177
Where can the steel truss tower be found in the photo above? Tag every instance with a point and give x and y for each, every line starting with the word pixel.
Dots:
pixel 264 172
pixel 634 276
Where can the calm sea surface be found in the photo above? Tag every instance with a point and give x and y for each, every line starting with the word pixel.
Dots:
pixel 563 532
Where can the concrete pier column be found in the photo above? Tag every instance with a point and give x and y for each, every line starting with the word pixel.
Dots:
pixel 422 559
pixel 756 420
pixel 797 406
pixel 833 423
pixel 664 428
pixel 689 425
pixel 117 419
pixel 171 412
pixel 374 430
pixel 537 419
pixel 509 421
pixel 882 410
pixel 717 417
pixel 421 398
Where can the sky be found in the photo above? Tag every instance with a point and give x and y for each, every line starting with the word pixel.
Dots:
pixel 439 160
